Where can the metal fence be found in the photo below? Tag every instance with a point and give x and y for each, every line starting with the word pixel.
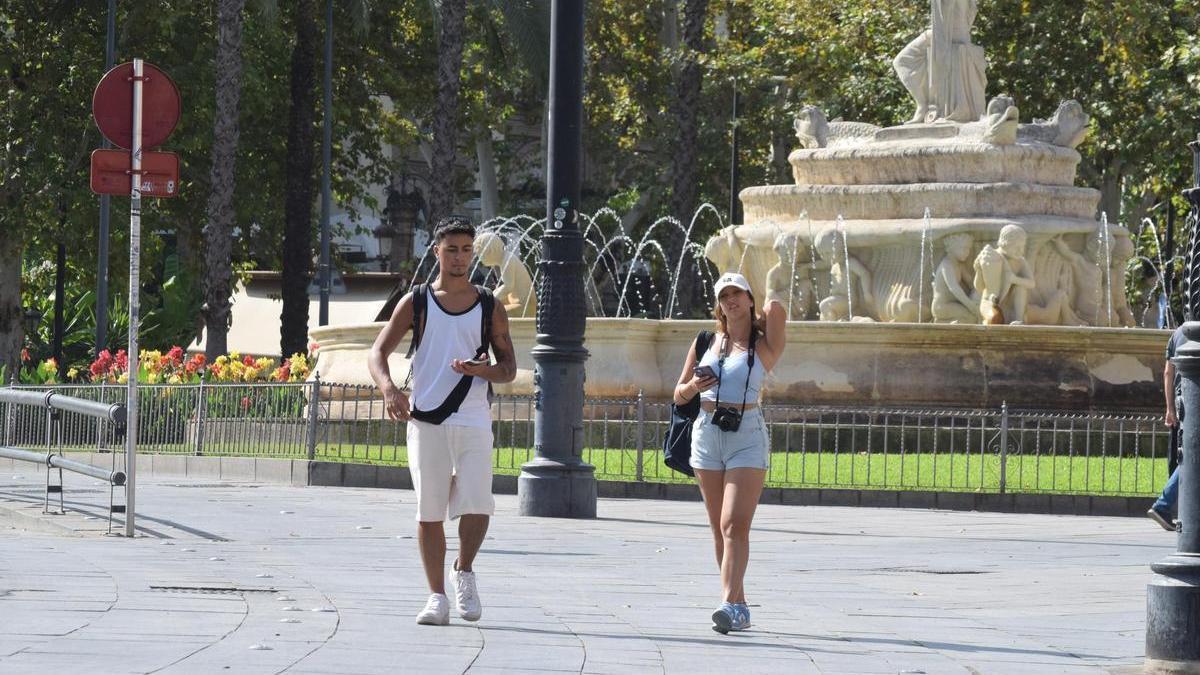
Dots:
pixel 979 450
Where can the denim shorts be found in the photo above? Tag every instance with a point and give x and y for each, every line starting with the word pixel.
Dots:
pixel 747 448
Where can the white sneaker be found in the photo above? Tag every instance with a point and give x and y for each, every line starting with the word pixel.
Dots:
pixel 436 612
pixel 466 595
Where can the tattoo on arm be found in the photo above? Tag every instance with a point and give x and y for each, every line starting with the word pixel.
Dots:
pixel 506 357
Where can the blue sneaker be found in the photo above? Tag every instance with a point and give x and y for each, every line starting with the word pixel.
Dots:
pixel 741 616
pixel 724 618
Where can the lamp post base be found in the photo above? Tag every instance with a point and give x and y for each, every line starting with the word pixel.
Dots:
pixel 1173 617
pixel 553 489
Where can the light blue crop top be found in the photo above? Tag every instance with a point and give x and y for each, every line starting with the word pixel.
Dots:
pixel 733 376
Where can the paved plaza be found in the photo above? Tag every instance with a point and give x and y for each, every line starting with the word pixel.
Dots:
pixel 252 578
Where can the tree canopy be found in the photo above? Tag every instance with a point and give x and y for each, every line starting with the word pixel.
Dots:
pixel 1134 68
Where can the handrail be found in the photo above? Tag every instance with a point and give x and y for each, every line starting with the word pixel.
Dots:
pixel 113 412
pixel 59 462
pixel 112 477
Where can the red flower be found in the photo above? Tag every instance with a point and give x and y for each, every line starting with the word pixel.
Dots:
pixel 24 354
pixel 176 355
pixel 102 364
pixel 121 361
pixel 313 347
pixel 248 360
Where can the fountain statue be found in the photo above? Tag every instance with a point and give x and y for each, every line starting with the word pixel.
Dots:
pixel 951 281
pixel 979 174
pixel 515 291
pixel 942 70
pixel 789 281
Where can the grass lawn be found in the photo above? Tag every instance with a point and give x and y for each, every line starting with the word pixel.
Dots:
pixel 944 471
pixel 1131 476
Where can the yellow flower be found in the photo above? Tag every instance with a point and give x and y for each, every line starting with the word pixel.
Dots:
pixel 175 379
pixel 222 360
pixel 123 378
pixel 152 377
pixel 73 373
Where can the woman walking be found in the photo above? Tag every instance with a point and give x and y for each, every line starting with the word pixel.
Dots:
pixel 730 446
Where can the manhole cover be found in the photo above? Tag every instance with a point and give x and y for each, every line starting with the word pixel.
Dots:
pixel 931 570
pixel 208 589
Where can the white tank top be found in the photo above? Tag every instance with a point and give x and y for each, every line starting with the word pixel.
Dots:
pixel 449 336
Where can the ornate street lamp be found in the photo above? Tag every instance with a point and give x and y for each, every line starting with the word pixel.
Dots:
pixel 32 319
pixel 557 482
pixel 385 234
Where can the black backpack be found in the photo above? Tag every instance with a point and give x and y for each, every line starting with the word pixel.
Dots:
pixel 677 445
pixel 420 304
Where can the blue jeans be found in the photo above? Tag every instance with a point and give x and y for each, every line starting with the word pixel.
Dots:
pixel 1170 494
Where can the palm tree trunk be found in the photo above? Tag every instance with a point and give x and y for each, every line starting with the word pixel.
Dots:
pixel 218 231
pixel 684 178
pixel 445 116
pixel 300 185
pixel 489 191
pixel 10 303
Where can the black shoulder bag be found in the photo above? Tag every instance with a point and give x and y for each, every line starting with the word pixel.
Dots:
pixel 677 444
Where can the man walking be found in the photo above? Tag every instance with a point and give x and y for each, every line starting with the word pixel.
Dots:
pixel 448 412
pixel 1163 510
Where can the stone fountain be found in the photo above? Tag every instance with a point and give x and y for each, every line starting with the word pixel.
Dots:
pixel 948 261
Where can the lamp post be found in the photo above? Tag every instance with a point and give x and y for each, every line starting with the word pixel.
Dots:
pixel 384 234
pixel 557 482
pixel 31 318
pixel 324 276
pixel 403 215
pixel 1173 599
pixel 110 50
pixel 721 30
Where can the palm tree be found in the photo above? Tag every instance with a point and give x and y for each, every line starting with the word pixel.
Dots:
pixel 686 104
pixel 452 19
pixel 300 184
pixel 218 231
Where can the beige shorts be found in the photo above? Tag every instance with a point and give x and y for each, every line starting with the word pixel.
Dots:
pixel 451 470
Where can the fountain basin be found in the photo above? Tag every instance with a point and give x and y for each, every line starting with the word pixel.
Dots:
pixel 892 364
pixel 891 163
pixel 785 203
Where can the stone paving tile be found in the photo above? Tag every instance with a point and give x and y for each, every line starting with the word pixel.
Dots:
pixel 898 590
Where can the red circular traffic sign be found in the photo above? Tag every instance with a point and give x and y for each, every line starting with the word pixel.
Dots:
pixel 112 106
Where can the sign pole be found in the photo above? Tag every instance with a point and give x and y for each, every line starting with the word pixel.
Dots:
pixel 135 252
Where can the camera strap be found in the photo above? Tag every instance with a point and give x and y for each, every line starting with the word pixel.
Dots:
pixel 725 346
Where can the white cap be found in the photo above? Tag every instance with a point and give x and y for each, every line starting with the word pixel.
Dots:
pixel 731 279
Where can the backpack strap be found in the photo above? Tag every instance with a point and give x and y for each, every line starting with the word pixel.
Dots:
pixel 703 342
pixel 420 301
pixel 488 301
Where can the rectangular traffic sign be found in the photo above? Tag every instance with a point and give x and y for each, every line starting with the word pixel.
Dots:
pixel 111 173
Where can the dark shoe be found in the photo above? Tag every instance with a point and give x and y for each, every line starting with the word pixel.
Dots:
pixel 1164 520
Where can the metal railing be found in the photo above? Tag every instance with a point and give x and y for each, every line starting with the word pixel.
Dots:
pixel 997 450
pixel 107 420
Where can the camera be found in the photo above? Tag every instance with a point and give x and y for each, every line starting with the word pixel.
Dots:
pixel 727 419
